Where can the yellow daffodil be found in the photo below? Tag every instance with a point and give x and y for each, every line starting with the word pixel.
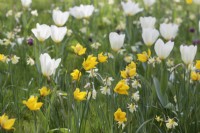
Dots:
pixel 90 62
pixel 130 71
pixel 2 57
pixel 32 103
pixel 121 87
pixel 76 74
pixel 102 58
pixel 6 123
pixel 78 49
pixel 170 123
pixel 197 65
pixel 158 119
pixel 120 116
pixel 143 57
pixel 80 96
pixel 44 91
pixel 195 76
pixel 189 1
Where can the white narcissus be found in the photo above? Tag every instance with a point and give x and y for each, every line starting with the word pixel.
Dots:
pixel 116 40
pixel 188 53
pixel 130 8
pixel 59 17
pixel 163 49
pixel 42 32
pixel 149 36
pixel 149 3
pixel 82 11
pixel 147 22
pixel 48 65
pixel 168 31
pixel 26 3
pixel 58 33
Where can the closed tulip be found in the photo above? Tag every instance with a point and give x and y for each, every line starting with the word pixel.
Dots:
pixel 26 3
pixel 131 8
pixel 82 11
pixel 168 31
pixel 149 36
pixel 48 65
pixel 58 33
pixel 59 17
pixel 147 22
pixel 116 40
pixel 188 53
pixel 149 3
pixel 163 49
pixel 42 32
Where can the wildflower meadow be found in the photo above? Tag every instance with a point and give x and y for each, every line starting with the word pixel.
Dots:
pixel 99 66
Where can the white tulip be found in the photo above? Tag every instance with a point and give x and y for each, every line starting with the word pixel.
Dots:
pixel 42 32
pixel 26 3
pixel 163 50
pixel 149 3
pixel 199 26
pixel 59 17
pixel 197 2
pixel 149 36
pixel 147 22
pixel 58 33
pixel 116 40
pixel 188 53
pixel 130 8
pixel 168 31
pixel 82 11
pixel 48 65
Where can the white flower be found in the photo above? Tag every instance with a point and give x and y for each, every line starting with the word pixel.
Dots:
pixel 108 81
pixel 82 11
pixel 132 107
pixel 58 33
pixel 170 123
pixel 15 59
pixel 188 53
pixel 163 49
pixel 136 96
pixel 147 22
pixel 197 2
pixel 105 90
pixel 128 58
pixel 135 84
pixel 26 3
pixel 95 45
pixel 48 65
pixel 92 72
pixel 20 40
pixel 30 61
pixel 168 31
pixel 199 25
pixel 42 32
pixel 149 36
pixel 149 3
pixel 94 94
pixel 130 8
pixel 34 13
pixel 59 17
pixel 116 40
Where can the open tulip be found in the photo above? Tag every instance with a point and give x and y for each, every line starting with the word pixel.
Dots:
pixel 188 53
pixel 6 123
pixel 147 22
pixel 42 32
pixel 149 3
pixel 82 11
pixel 130 8
pixel 149 36
pixel 168 31
pixel 26 3
pixel 58 33
pixel 163 50
pixel 116 40
pixel 59 17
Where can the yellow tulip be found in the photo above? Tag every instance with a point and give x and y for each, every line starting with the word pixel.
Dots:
pixel 189 1
pixel 78 49
pixel 44 91
pixel 80 96
pixel 121 88
pixel 32 103
pixel 6 123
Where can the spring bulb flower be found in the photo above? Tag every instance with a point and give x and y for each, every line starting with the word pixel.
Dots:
pixel 120 116
pixel 121 88
pixel 42 32
pixel 44 91
pixel 168 31
pixel 58 33
pixel 131 8
pixel 26 3
pixel 82 11
pixel 147 22
pixel 59 17
pixel 149 36
pixel 80 95
pixel 90 62
pixel 6 123
pixel 32 103
pixel 188 53
pixel 116 40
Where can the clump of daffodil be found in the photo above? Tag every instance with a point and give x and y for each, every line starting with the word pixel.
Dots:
pixel 144 56
pixel 79 49
pixel 44 91
pixel 76 74
pixel 6 123
pixel 90 62
pixel 120 116
pixel 189 1
pixel 79 95
pixel 171 123
pixel 102 58
pixel 32 103
pixel 130 71
pixel 121 88
pixel 195 76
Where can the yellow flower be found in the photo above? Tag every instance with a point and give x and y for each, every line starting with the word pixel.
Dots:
pixel 195 76
pixel 159 119
pixel 197 64
pixel 143 57
pixel 102 58
pixel 90 62
pixel 32 103
pixel 6 123
pixel 130 71
pixel 171 123
pixel 44 91
pixel 121 87
pixel 189 1
pixel 78 49
pixel 80 96
pixel 2 57
pixel 76 74
pixel 120 116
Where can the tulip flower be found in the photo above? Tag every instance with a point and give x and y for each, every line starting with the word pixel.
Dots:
pixel 58 33
pixel 197 2
pixel 130 8
pixel 147 22
pixel 188 53
pixel 42 32
pixel 59 17
pixel 116 40
pixel 26 3
pixel 48 65
pixel 163 50
pixel 149 3
pixel 80 95
pixel 32 103
pixel 82 11
pixel 149 36
pixel 6 123
pixel 168 31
